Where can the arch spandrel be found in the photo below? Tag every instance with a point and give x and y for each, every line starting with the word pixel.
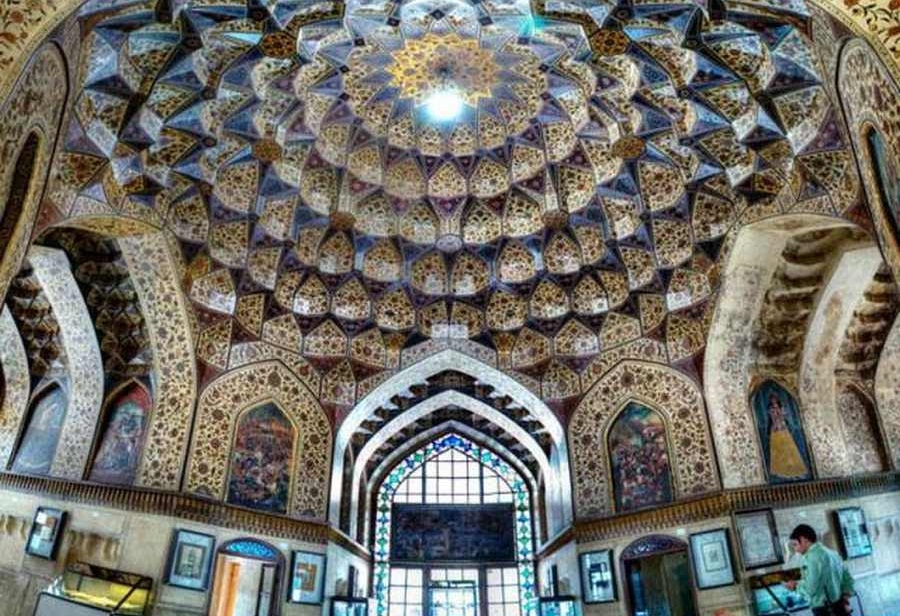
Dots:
pixel 217 412
pixel 671 393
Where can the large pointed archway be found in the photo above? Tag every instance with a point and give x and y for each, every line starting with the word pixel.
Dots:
pixel 450 386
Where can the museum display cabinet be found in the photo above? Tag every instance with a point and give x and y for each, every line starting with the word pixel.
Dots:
pixel 84 590
pixel 566 605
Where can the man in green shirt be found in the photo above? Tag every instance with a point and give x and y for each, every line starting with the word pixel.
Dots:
pixel 826 582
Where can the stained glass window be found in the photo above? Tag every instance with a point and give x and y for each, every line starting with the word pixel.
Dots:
pixel 453 470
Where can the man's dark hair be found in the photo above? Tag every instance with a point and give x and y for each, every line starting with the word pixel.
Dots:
pixel 804 531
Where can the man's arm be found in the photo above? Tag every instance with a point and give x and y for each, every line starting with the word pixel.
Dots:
pixel 847 586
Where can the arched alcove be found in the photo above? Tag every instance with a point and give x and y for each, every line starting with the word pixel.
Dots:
pixel 23 173
pixel 122 435
pixel 781 434
pixel 218 410
pixel 676 397
pixel 41 431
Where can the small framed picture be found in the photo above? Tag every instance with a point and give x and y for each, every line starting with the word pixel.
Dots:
pixel 46 529
pixel 307 577
pixel 713 565
pixel 348 606
pixel 854 534
pixel 598 577
pixel 758 538
pixel 190 559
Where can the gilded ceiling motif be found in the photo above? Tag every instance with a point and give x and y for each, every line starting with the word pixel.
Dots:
pixel 349 181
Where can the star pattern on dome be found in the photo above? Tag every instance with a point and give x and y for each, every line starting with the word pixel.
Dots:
pixel 579 202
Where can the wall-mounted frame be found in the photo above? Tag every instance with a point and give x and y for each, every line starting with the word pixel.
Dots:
pixel 711 556
pixel 46 530
pixel 307 580
pixel 758 538
pixel 853 533
pixel 598 577
pixel 190 559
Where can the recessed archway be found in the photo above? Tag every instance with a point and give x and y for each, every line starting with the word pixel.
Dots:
pixel 559 506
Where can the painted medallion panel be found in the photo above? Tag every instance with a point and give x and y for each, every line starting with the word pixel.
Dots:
pixel 640 459
pixel 122 443
pixel 261 460
pixel 784 447
pixel 38 445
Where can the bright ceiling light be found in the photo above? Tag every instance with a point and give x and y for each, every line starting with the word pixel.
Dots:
pixel 444 105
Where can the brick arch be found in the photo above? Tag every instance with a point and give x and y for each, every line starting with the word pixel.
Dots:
pixel 669 392
pixel 218 409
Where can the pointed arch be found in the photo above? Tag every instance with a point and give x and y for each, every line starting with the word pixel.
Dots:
pixel 450 359
pixel 225 398
pixel 676 397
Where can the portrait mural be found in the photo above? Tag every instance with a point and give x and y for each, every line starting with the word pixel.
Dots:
pixel 38 445
pixel 887 176
pixel 261 460
pixel 639 459
pixel 122 440
pixel 781 436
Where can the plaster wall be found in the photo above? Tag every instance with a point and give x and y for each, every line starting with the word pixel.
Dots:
pixel 877 577
pixel 127 541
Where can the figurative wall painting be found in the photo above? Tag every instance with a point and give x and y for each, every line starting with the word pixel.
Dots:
pixel 640 459
pixel 261 460
pixel 423 533
pixel 122 439
pixel 784 447
pixel 38 445
pixel 887 176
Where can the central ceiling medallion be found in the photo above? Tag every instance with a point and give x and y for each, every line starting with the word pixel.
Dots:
pixel 445 69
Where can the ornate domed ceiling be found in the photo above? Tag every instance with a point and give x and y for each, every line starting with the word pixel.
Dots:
pixel 348 180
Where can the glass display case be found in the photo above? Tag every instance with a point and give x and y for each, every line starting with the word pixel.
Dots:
pixel 349 606
pixel 772 598
pixel 85 589
pixel 564 605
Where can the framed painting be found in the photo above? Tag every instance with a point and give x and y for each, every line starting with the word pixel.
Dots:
pixel 598 577
pixel 190 559
pixel 711 555
pixel 307 580
pixel 853 533
pixel 784 447
pixel 43 539
pixel 758 538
